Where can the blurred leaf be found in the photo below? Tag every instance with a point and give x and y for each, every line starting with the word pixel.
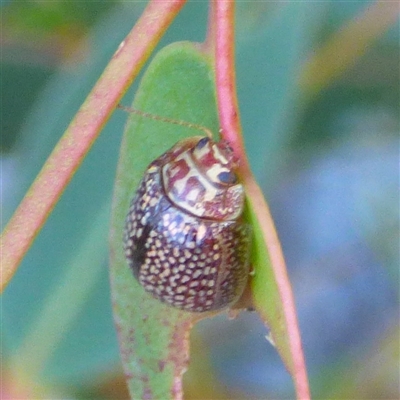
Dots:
pixel 347 45
pixel 59 313
pixel 18 97
pixel 154 337
pixel 91 334
pixel 370 374
pixel 48 32
pixel 49 18
pixel 269 61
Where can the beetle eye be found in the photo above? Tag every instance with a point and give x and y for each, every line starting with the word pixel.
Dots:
pixel 227 177
pixel 202 142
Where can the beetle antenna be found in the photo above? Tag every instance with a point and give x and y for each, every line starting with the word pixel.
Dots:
pixel 165 119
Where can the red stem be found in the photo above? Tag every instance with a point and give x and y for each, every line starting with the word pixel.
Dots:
pixel 228 109
pixel 82 132
pixel 231 131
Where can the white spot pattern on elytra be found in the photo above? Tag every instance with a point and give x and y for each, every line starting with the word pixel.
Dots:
pixel 190 265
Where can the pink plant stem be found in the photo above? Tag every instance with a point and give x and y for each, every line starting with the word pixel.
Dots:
pixel 231 131
pixel 82 132
pixel 225 80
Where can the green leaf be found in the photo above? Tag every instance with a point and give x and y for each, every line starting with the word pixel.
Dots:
pixel 266 294
pixel 153 337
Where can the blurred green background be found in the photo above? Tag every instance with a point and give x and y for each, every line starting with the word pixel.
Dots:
pixel 327 159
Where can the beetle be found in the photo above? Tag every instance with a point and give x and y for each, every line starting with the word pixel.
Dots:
pixel 185 239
